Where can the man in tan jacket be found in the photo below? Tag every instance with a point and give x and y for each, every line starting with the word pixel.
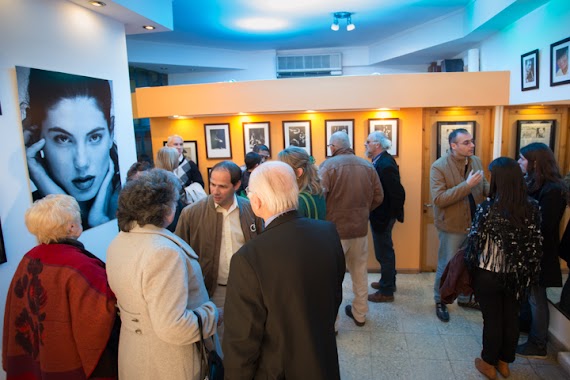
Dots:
pixel 457 185
pixel 353 189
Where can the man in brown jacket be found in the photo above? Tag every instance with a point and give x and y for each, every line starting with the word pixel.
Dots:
pixel 353 189
pixel 216 227
pixel 457 185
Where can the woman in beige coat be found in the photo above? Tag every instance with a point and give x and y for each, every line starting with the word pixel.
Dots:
pixel 158 283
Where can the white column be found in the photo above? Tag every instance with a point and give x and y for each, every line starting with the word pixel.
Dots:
pixel 473 60
pixel 498 131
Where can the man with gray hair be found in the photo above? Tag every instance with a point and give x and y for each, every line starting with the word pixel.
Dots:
pixel 353 190
pixel 284 289
pixel 187 170
pixel 383 217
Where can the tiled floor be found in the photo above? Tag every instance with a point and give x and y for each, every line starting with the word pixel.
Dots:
pixel 405 340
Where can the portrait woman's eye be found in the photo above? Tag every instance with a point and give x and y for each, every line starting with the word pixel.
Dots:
pixel 62 139
pixel 95 137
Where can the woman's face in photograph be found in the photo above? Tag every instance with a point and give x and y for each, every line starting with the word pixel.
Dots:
pixel 77 146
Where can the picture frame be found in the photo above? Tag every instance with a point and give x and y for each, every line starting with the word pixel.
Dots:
pixel 218 140
pixel 559 73
pixel 297 133
pixel 209 174
pixel 3 257
pixel 530 71
pixel 444 128
pixel 390 128
pixel 255 133
pixel 530 131
pixel 190 150
pixel 332 126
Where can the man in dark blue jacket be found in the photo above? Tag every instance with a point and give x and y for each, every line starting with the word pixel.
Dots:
pixel 383 218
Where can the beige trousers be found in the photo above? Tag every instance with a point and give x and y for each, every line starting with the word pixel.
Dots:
pixel 218 298
pixel 356 256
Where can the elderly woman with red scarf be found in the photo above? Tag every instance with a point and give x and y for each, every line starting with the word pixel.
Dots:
pixel 60 311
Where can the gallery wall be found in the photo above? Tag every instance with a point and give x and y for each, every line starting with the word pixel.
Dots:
pixel 537 30
pixel 59 36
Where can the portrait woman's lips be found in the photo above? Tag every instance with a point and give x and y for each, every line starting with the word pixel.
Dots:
pixel 84 183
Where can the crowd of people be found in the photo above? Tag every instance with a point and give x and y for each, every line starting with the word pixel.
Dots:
pixel 258 267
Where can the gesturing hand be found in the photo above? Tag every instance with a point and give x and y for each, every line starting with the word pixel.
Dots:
pixel 474 178
pixel 98 212
pixel 38 173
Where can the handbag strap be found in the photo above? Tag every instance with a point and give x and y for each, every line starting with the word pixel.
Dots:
pixel 306 197
pixel 201 346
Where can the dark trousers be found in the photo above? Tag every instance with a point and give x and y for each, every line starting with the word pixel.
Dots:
pixel 384 251
pixel 500 317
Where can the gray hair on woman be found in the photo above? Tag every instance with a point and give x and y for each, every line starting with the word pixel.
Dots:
pixel 51 218
pixel 149 199
pixel 274 183
pixel 167 158
pixel 305 170
pixel 381 139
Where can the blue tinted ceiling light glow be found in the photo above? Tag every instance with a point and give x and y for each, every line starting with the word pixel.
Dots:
pixel 262 24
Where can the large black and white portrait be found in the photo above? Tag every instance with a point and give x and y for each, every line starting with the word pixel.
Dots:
pixel 68 129
pixel 2 249
pixel 297 133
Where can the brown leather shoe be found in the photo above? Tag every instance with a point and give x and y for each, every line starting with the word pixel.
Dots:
pixel 503 368
pixel 375 285
pixel 379 297
pixel 486 369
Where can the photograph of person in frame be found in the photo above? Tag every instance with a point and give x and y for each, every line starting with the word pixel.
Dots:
pixel 68 128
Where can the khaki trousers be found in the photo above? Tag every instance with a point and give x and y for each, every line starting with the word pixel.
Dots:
pixel 356 256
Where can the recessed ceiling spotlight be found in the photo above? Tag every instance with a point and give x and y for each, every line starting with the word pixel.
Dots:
pixel 97 3
pixel 149 27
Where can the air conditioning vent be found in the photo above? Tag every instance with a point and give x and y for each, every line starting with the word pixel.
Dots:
pixel 294 66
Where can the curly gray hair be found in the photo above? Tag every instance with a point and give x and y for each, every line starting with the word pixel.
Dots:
pixel 148 199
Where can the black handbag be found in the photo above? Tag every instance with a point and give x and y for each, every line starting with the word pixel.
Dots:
pixel 209 358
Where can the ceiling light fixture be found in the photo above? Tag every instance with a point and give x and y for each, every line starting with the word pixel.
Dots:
pixel 149 27
pixel 97 3
pixel 343 16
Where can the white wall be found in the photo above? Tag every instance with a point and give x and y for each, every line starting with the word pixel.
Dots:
pixel 546 25
pixel 59 36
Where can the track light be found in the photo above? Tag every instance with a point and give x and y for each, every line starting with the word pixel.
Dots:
pixel 349 25
pixel 342 16
pixel 334 25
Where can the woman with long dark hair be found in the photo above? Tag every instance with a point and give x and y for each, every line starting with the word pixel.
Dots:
pixel 69 136
pixel 546 186
pixel 503 254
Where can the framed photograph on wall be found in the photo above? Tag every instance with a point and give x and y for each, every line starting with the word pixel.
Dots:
pixel 255 133
pixel 218 143
pixel 53 168
pixel 190 150
pixel 559 73
pixel 390 128
pixel 444 128
pixel 530 131
pixel 529 71
pixel 332 126
pixel 297 133
pixel 209 174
